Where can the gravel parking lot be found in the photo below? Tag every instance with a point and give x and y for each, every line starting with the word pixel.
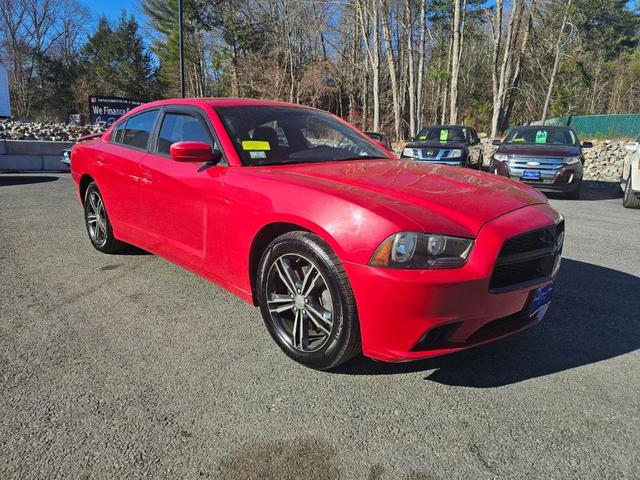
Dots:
pixel 128 366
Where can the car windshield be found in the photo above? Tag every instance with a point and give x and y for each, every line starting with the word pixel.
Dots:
pixel 271 135
pixel 549 136
pixel 443 134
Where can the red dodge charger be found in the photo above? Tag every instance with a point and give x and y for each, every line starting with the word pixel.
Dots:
pixel 343 247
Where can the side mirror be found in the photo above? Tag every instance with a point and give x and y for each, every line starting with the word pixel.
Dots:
pixel 197 152
pixel 632 147
pixel 587 145
pixel 496 142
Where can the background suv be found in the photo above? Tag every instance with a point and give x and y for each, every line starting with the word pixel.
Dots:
pixel 547 158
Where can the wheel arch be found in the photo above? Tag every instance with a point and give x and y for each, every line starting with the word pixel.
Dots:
pixel 269 233
pixel 84 183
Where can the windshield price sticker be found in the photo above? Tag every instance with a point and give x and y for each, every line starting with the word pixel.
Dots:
pixel 257 154
pixel 444 135
pixel 541 136
pixel 255 145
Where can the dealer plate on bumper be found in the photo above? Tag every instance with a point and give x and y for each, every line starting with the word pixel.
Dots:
pixel 531 175
pixel 541 298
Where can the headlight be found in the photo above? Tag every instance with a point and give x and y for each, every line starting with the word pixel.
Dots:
pixel 414 250
pixel 410 152
pixel 571 160
pixel 454 154
pixel 500 157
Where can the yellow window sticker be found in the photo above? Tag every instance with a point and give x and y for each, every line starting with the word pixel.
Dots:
pixel 423 137
pixel 541 136
pixel 255 145
pixel 444 135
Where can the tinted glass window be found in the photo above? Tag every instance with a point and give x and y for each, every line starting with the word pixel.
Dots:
pixel 554 136
pixel 180 127
pixel 138 129
pixel 444 134
pixel 265 135
pixel 119 132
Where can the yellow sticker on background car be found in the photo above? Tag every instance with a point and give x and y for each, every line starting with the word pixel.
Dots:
pixel 444 135
pixel 255 145
pixel 423 137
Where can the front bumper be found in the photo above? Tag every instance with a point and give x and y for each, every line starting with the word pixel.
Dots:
pixel 555 176
pixel 399 308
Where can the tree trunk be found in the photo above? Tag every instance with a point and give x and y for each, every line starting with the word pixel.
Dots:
pixel 497 37
pixel 392 70
pixel 455 63
pixel 412 83
pixel 445 104
pixel 373 52
pixel 517 74
pixel 556 62
pixel 421 55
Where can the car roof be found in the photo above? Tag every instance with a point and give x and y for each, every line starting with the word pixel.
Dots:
pixel 546 127
pixel 222 102
pixel 446 126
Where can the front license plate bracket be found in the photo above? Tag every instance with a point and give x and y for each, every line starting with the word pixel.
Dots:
pixel 541 298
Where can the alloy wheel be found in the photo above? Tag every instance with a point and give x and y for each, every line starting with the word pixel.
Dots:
pixel 96 218
pixel 300 303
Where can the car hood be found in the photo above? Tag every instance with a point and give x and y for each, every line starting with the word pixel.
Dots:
pixel 435 144
pixel 435 197
pixel 539 150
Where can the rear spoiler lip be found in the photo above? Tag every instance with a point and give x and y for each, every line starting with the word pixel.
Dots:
pixel 91 136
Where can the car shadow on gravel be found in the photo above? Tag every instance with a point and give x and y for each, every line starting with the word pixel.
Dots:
pixel 595 190
pixel 10 180
pixel 593 317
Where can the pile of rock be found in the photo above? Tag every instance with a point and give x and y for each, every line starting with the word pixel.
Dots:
pixel 604 161
pixel 57 132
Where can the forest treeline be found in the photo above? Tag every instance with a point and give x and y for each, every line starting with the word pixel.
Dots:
pixel 385 65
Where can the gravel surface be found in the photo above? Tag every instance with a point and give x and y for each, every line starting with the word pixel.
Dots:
pixel 128 366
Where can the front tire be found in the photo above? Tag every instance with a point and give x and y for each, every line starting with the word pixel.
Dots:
pixel 630 200
pixel 97 222
pixel 306 301
pixel 575 193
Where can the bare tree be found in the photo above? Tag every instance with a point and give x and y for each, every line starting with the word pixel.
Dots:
pixel 556 61
pixel 455 62
pixel 392 68
pixel 368 16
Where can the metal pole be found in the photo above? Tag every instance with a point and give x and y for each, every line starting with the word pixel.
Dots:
pixel 181 47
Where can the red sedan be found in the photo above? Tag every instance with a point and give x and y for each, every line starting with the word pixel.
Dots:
pixel 343 247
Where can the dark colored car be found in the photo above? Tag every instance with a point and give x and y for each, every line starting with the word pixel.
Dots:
pixel 381 138
pixel 446 144
pixel 547 158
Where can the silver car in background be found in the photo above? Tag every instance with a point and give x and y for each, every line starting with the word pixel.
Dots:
pixel 630 178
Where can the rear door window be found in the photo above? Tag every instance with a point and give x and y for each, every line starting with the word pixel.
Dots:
pixel 138 129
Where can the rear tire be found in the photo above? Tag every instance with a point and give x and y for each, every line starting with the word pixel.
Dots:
pixel 306 301
pixel 629 200
pixel 97 222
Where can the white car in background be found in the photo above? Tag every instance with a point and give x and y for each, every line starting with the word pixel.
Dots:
pixel 630 179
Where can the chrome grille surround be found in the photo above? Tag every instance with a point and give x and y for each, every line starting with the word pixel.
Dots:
pixel 549 167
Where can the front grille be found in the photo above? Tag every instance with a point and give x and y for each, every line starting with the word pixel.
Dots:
pixel 532 256
pixel 547 166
